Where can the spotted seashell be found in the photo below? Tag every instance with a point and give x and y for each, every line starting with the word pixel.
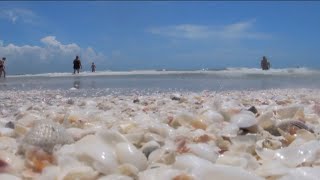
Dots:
pixel 45 135
pixel 292 126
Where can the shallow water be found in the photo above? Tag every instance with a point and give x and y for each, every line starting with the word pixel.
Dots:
pixel 134 83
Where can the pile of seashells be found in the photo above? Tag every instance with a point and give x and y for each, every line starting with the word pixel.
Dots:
pixel 269 134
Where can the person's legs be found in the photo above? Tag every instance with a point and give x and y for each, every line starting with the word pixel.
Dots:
pixel 4 73
pixel 0 73
pixel 78 70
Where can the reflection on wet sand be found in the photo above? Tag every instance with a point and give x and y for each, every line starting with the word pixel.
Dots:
pixel 76 84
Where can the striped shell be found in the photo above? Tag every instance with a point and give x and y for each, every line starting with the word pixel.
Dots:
pixel 45 135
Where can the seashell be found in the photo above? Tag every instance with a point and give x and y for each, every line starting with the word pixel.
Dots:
pixel 270 168
pixel 9 124
pixel 164 156
pixel 160 173
pixel 128 170
pixel 204 169
pixel 287 112
pixel 153 137
pixel 49 172
pixel 37 159
pixel 101 156
pixel 244 120
pixel 265 120
pixel 9 177
pixel 21 130
pixel 204 151
pixel 149 147
pixel 7 132
pixel 78 172
pixel 183 176
pixel 243 160
pixel 253 110
pixel 292 156
pixel 176 97
pixel 135 138
pixel 128 153
pixel 115 177
pixel 46 135
pixel 244 143
pixel 309 173
pixel 210 116
pixel 230 130
pixel 10 163
pixel 291 126
pixel 8 144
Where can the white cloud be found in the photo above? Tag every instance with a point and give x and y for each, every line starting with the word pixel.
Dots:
pixel 239 30
pixel 52 53
pixel 18 14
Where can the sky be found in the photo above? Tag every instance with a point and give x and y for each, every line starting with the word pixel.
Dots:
pixel 44 37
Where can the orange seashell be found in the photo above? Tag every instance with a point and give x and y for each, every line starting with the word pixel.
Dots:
pixel 198 124
pixel 39 159
pixel 202 138
pixel 183 177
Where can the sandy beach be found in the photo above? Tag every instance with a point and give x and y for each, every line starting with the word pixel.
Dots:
pixel 272 134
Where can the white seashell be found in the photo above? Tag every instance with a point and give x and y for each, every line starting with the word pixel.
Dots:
pixel 288 112
pixel 205 170
pixel 128 153
pixel 244 119
pixel 135 138
pixel 128 170
pixel 271 168
pixel 210 116
pixel 49 173
pixel 266 120
pixel 244 143
pixel 159 173
pixel 149 147
pixel 15 163
pixel 292 156
pixel 305 173
pixel 153 137
pixel 204 151
pixel 46 135
pixel 230 130
pixel 78 172
pixel 7 132
pixel 9 177
pixel 101 156
pixel 78 133
pixel 9 144
pixel 115 177
pixel 111 137
pixel 243 160
pixel 165 156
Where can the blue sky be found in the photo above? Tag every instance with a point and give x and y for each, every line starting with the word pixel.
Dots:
pixel 39 37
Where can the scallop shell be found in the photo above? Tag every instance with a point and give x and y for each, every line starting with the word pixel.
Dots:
pixel 45 135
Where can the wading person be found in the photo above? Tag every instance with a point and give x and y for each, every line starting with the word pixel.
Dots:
pixel 76 65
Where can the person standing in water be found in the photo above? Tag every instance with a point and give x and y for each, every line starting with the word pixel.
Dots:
pixel 93 67
pixel 265 64
pixel 2 67
pixel 76 65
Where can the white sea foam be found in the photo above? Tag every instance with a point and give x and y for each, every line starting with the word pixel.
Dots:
pixel 241 71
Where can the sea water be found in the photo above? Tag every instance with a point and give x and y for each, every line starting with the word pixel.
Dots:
pixel 126 82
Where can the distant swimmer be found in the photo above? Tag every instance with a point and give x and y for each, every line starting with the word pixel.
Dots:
pixel 93 67
pixel 265 64
pixel 76 65
pixel 2 67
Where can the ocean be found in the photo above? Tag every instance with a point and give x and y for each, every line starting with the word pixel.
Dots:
pixel 149 81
